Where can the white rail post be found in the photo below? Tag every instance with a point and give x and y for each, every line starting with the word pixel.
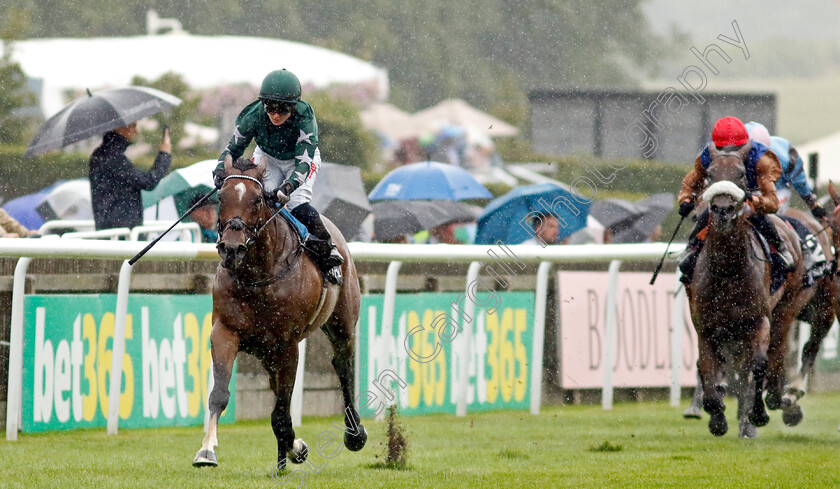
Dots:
pixel 297 392
pixel 539 336
pixel 391 277
pixel 118 348
pixel 677 323
pixel 466 342
pixel 610 328
pixel 14 413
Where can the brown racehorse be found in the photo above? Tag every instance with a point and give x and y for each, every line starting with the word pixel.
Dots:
pixel 267 296
pixel 822 309
pixel 816 305
pixel 729 299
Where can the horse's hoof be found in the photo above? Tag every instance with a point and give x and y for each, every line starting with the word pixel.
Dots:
pixel 747 430
pixel 759 417
pixel 355 442
pixel 773 401
pixel 205 458
pixel 717 425
pixel 299 452
pixel 792 416
pixel 693 412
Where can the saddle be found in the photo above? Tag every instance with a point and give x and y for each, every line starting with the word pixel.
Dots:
pixel 317 248
pixel 300 229
pixel 778 269
pixel 817 265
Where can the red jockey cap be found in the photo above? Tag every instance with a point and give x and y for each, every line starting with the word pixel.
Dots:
pixel 729 131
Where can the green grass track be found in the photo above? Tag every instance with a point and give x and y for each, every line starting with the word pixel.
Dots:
pixel 634 445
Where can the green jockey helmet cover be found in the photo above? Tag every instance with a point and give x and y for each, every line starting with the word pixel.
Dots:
pixel 280 85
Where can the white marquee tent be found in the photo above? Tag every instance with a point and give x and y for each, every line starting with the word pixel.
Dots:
pixel 203 61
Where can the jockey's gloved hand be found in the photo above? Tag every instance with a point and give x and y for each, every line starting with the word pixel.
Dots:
pixel 218 177
pixel 283 194
pixel 686 208
pixel 818 211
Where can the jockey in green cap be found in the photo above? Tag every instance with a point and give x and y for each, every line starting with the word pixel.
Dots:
pixel 286 134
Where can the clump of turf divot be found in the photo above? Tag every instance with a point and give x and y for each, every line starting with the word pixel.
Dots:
pixel 605 447
pixel 396 451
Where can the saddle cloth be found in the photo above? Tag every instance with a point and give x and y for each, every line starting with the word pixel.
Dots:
pixel 298 226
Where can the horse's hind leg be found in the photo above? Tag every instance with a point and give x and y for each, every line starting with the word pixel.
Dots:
pixel 344 359
pixel 281 370
pixel 224 344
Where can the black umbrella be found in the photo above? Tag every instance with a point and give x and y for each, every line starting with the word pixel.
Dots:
pixel 394 218
pixel 611 212
pixel 654 210
pixel 633 222
pixel 340 195
pixel 95 114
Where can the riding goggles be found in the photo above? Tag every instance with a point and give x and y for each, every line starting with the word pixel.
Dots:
pixel 280 108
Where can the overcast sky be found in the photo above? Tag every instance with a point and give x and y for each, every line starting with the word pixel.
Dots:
pixel 759 19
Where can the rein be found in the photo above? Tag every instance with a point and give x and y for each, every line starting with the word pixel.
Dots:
pixel 291 258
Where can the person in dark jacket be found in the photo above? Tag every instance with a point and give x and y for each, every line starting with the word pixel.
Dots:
pixel 115 183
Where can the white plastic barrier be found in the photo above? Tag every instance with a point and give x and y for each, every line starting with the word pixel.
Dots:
pixel 112 234
pixel 86 229
pixel 26 249
pixel 189 231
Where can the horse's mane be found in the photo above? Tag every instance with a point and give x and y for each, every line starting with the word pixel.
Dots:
pixel 244 164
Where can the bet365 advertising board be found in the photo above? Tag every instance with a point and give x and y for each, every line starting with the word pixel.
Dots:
pixel 166 365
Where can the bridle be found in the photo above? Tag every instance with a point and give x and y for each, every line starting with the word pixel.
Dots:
pixel 236 223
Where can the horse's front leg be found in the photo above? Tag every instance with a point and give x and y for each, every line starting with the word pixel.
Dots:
pixel 710 369
pixel 224 344
pixel 823 307
pixel 758 367
pixel 694 410
pixel 282 367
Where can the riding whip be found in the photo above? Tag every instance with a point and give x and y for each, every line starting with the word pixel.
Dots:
pixel 189 211
pixel 662 261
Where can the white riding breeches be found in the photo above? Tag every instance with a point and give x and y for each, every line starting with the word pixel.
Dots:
pixel 784 195
pixel 277 171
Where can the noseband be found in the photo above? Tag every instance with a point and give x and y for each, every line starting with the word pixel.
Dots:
pixel 237 224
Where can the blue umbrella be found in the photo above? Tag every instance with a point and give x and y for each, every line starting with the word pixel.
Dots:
pixel 24 208
pixel 429 180
pixel 503 218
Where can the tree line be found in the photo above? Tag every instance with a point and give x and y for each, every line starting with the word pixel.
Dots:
pixel 488 52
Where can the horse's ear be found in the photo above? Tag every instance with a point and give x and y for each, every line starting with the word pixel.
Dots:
pixel 262 165
pixel 713 151
pixel 745 150
pixel 835 196
pixel 228 163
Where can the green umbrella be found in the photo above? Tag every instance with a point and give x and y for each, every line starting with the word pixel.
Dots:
pixel 172 197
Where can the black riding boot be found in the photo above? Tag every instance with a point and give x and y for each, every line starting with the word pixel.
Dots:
pixel 692 249
pixel 769 231
pixel 320 241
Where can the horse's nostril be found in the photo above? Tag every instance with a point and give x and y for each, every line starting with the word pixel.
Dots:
pixel 241 249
